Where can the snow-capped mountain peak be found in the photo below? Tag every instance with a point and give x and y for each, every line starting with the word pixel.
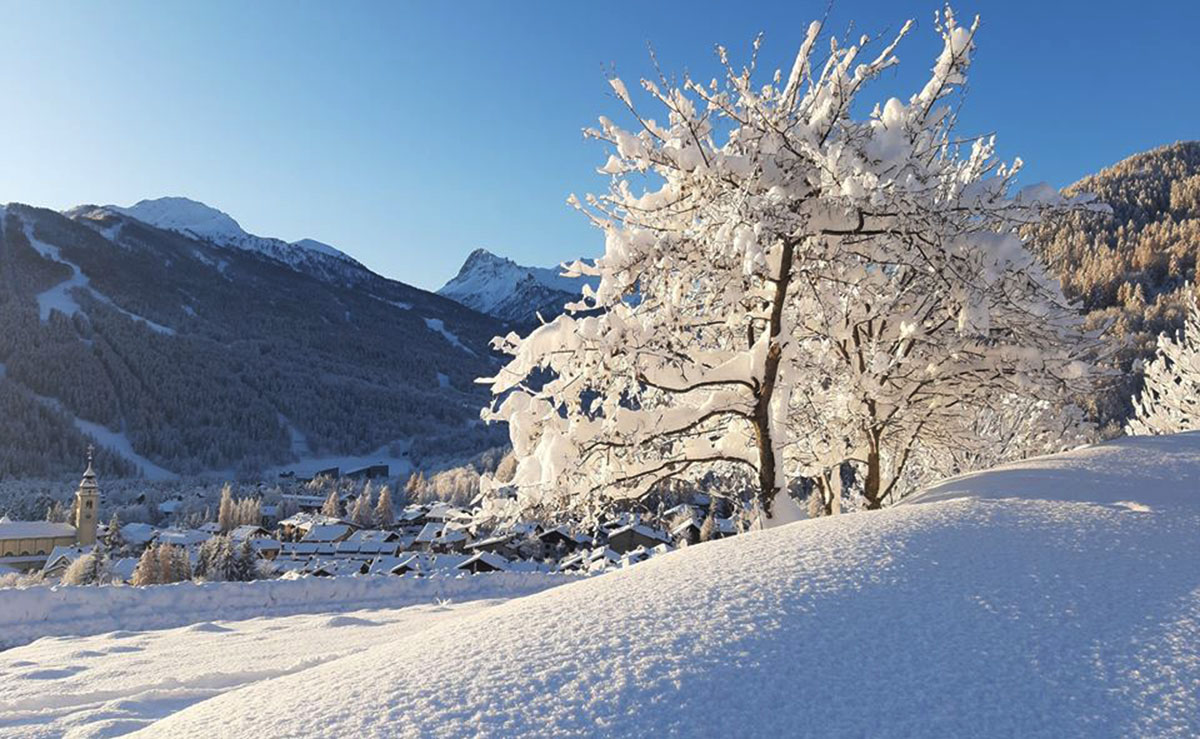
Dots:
pixel 186 216
pixel 511 292
pixel 205 223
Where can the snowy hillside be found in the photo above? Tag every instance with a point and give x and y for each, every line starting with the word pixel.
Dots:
pixel 191 346
pixel 506 290
pixel 1057 597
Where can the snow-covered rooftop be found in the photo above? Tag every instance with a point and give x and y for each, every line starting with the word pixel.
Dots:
pixel 34 530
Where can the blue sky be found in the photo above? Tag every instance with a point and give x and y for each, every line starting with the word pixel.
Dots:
pixel 409 134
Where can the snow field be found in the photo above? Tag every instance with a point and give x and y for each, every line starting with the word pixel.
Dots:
pixel 115 683
pixel 30 613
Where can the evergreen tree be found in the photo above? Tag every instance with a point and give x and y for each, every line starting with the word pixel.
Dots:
pixel 244 564
pixel 113 539
pixel 215 559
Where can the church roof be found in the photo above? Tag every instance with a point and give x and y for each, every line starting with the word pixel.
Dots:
pixel 35 530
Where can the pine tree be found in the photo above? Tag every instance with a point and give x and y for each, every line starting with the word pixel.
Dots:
pixel 1170 401
pixel 385 517
pixel 244 566
pixel 215 559
pixel 333 505
pixel 113 539
pixel 149 569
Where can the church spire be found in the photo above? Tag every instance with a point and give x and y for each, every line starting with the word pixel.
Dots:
pixel 87 503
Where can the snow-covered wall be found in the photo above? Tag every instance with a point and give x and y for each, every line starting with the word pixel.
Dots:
pixel 27 614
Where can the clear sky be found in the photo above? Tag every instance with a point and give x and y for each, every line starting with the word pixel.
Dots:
pixel 409 134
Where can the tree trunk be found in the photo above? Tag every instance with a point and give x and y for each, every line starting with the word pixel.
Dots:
pixel 873 484
pixel 768 465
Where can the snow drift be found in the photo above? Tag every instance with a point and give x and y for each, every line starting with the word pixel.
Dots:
pixel 32 613
pixel 1055 597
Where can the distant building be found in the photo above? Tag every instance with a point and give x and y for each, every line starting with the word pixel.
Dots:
pixel 27 545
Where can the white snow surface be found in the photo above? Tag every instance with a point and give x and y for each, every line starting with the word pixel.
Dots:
pixel 31 613
pixel 1030 601
pixel 204 222
pixel 439 326
pixel 116 683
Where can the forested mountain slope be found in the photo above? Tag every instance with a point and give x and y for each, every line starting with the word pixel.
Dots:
pixel 204 354
pixel 1131 269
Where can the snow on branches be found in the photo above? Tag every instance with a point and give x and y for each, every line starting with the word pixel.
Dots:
pixel 1170 400
pixel 786 288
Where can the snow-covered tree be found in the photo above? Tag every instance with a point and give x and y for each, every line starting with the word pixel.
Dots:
pixel 91 568
pixel 385 516
pixel 361 515
pixel 1170 400
pixel 114 541
pixel 226 515
pixel 332 505
pixel 149 569
pixel 786 288
pixel 173 564
pixel 215 560
pixel 244 565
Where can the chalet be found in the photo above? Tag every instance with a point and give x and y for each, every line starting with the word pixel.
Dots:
pixel 186 538
pixel 560 539
pixel 484 562
pixel 374 535
pixel 687 532
pixel 330 533
pixel 61 558
pixel 248 531
pixel 297 526
pixel 628 538
pixel 395 565
pixel 501 545
pixel 138 534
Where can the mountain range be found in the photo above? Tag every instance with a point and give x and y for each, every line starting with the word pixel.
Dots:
pixel 185 345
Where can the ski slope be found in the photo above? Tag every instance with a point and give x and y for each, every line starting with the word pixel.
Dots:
pixel 1056 597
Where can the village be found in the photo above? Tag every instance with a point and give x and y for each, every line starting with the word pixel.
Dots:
pixel 300 535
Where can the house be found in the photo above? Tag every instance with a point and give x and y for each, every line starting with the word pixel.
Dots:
pixel 186 538
pixel 484 562
pixel 374 535
pixel 395 565
pixel 428 535
pixel 137 534
pixel 297 526
pixel 61 558
pixel 687 532
pixel 630 537
pixel 328 533
pixel 248 531
pixel 501 545
pixel 170 507
pixel 560 539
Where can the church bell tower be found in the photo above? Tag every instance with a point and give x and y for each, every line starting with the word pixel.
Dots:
pixel 87 504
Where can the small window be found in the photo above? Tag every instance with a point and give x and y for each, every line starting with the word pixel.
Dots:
pixel 89 504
